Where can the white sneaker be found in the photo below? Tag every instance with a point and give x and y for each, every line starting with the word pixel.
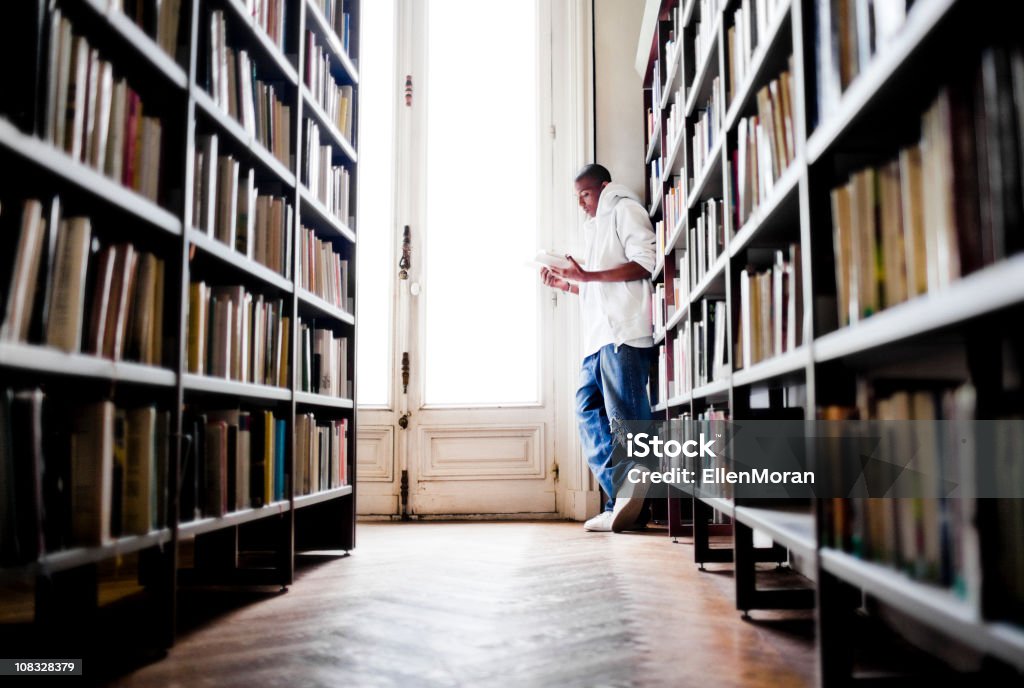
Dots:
pixel 627 509
pixel 602 523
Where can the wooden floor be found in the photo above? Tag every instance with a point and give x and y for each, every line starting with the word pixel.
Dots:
pixel 470 604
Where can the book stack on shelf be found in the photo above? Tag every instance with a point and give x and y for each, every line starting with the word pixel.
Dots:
pixel 165 321
pixel 866 196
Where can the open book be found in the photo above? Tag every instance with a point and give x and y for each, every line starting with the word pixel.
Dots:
pixel 549 259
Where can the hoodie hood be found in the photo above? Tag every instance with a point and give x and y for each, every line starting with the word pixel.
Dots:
pixel 611 196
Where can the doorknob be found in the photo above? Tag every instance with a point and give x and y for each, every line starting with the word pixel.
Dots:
pixel 403 422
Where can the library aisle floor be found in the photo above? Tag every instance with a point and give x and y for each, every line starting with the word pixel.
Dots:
pixel 497 603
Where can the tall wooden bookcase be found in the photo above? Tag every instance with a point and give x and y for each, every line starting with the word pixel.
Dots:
pixel 172 87
pixel 961 326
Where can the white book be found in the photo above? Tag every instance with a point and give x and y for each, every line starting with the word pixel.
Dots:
pixel 101 115
pixel 77 88
pixel 745 317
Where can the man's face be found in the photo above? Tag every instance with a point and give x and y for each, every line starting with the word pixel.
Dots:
pixel 588 193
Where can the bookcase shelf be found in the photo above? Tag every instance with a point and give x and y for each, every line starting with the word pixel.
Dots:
pixel 884 70
pixel 318 22
pixel 795 361
pixel 45 359
pixel 779 211
pixel 933 605
pixel 958 329
pixel 61 165
pixel 989 289
pixel 322 400
pixel 216 385
pixel 324 308
pixel 243 143
pixel 657 205
pixel 675 162
pixel 720 504
pixel 144 47
pixel 713 281
pixel 175 255
pixel 323 496
pixel 235 518
pixel 678 232
pixel 259 37
pixel 792 527
pixel 713 390
pixel 759 72
pixel 655 143
pixel 313 211
pixel 706 68
pixel 78 556
pixel 225 253
pixel 709 182
pixel 675 70
pixel 323 121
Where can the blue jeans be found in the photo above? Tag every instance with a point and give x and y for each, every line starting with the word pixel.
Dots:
pixel 613 388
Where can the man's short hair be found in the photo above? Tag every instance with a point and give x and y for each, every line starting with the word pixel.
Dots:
pixel 594 173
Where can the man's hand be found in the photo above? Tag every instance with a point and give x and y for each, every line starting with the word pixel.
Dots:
pixel 552 280
pixel 573 273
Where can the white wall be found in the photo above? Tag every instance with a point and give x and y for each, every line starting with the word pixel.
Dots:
pixel 618 91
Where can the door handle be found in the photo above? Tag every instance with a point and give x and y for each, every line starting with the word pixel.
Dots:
pixel 403 421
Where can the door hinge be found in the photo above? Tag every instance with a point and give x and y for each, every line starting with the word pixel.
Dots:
pixel 408 90
pixel 552 131
pixel 403 492
pixel 554 471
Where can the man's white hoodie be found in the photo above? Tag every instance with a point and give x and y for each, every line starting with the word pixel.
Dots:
pixel 617 312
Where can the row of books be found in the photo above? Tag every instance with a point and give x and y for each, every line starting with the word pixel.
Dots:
pixel 103 299
pixel 655 98
pixel 848 36
pixel 235 88
pixel 101 476
pixel 706 129
pixel 322 271
pixel 329 183
pixel 338 18
pixel 655 181
pixel 96 118
pixel 750 23
pixel 270 16
pixel 771 306
pixel 710 358
pixel 706 240
pixel 765 147
pixel 930 539
pixel 674 123
pixel 227 206
pixel 949 205
pixel 160 19
pixel 321 454
pixel 675 208
pixel 673 293
pixel 705 28
pixel 235 460
pixel 338 102
pixel 653 126
pixel 235 335
pixel 675 373
pixel 323 362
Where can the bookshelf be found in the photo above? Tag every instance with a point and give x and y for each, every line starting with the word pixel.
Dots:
pixel 232 225
pixel 736 68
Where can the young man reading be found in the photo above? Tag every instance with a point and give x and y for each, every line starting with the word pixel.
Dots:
pixel 615 294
